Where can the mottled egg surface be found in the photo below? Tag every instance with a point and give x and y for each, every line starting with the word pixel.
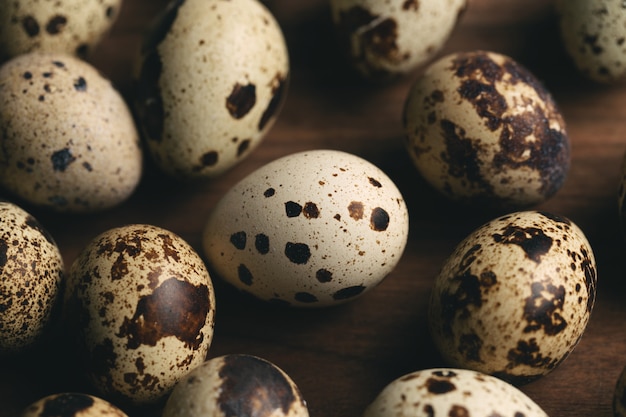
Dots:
pixel 69 142
pixel 211 83
pixel 236 385
pixel 383 39
pixel 594 35
pixel 73 27
pixel 451 392
pixel 31 276
pixel 481 129
pixel 141 304
pixel 310 229
pixel 72 404
pixel 515 296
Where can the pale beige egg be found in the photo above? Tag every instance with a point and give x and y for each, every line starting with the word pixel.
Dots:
pixel 72 404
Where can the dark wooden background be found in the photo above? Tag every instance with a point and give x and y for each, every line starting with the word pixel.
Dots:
pixel 343 356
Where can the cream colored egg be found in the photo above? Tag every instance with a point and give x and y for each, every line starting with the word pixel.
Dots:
pixel 310 229
pixel 211 83
pixel 236 385
pixel 515 296
pixel 31 276
pixel 73 27
pixel 390 38
pixel 69 142
pixel 72 404
pixel 451 392
pixel 141 304
pixel 482 130
pixel 594 35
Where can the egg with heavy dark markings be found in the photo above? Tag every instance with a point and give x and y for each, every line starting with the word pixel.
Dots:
pixel 236 385
pixel 74 27
pixel 310 229
pixel 515 296
pixel 386 39
pixel 482 130
pixel 31 276
pixel 72 404
pixel 211 82
pixel 68 140
pixel 451 392
pixel 141 304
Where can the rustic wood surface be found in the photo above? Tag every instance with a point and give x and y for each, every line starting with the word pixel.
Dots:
pixel 342 357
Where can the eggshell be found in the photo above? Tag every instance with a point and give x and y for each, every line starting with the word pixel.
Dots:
pixel 482 130
pixel 236 385
pixel 384 39
pixel 210 84
pixel 73 27
pixel 451 392
pixel 594 35
pixel 72 404
pixel 515 296
pixel 142 306
pixel 31 276
pixel 310 229
pixel 69 142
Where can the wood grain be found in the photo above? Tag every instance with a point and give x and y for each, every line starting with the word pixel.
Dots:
pixel 342 357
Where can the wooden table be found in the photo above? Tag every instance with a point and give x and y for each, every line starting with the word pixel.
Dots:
pixel 342 357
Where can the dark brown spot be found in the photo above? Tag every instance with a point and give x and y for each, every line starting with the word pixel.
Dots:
pixel 305 297
pixel 429 410
pixel 238 240
pixel 374 182
pixel 533 241
pixel 253 387
pixel 30 26
pixel 66 405
pixel 489 103
pixel 269 192
pixel 458 411
pixel 61 159
pixel 592 42
pixel 27 75
pixel 348 292
pixel 356 210
pixel 241 100
pixel 591 279
pixel 110 12
pixel 262 243
pixel 4 247
pixel 293 209
pixel 439 386
pixel 244 274
pixel 56 24
pixel 529 353
pixel 298 253
pixel 58 64
pixel 82 49
pixel 411 4
pixel 80 84
pixel 278 91
pixel 324 275
pixel 310 210
pixel 243 147
pixel 469 346
pixel 175 308
pixel 209 159
pixel 545 313
pixel 379 220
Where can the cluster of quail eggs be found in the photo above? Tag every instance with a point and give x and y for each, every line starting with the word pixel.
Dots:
pixel 312 229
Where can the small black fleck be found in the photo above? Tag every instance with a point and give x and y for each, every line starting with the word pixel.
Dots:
pixel 298 253
pixel 80 84
pixel 28 75
pixel 245 275
pixel 348 292
pixel 262 243
pixel 61 159
pixel 238 240
pixel 305 297
pixel 293 209
pixel 269 192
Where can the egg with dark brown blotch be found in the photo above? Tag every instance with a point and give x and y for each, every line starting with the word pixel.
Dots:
pixel 141 303
pixel 236 385
pixel 387 39
pixel 72 404
pixel 69 141
pixel 482 130
pixel 31 276
pixel 451 392
pixel 514 298
pixel 210 84
pixel 74 27
pixel 310 229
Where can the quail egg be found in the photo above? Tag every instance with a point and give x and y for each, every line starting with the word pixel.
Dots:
pixel 72 404
pixel 310 229
pixel 515 296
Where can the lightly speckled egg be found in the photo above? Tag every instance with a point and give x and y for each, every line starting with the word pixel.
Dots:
pixel 141 304
pixel 210 84
pixel 72 404
pixel 384 39
pixel 69 142
pixel 310 229
pixel 72 27
pixel 451 392
pixel 482 130
pixel 515 296
pixel 594 35
pixel 236 385
pixel 31 276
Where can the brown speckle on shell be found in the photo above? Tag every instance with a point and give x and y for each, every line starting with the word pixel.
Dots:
pixel 279 87
pixel 241 100
pixel 30 25
pixel 298 253
pixel 262 243
pixel 56 24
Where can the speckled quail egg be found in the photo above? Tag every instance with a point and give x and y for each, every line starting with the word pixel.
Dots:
pixel 515 296
pixel 236 385
pixel 483 131
pixel 142 306
pixel 69 142
pixel 210 84
pixel 310 229
pixel 619 395
pixel 594 35
pixel 451 392
pixel 383 39
pixel 70 26
pixel 72 404
pixel 31 276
